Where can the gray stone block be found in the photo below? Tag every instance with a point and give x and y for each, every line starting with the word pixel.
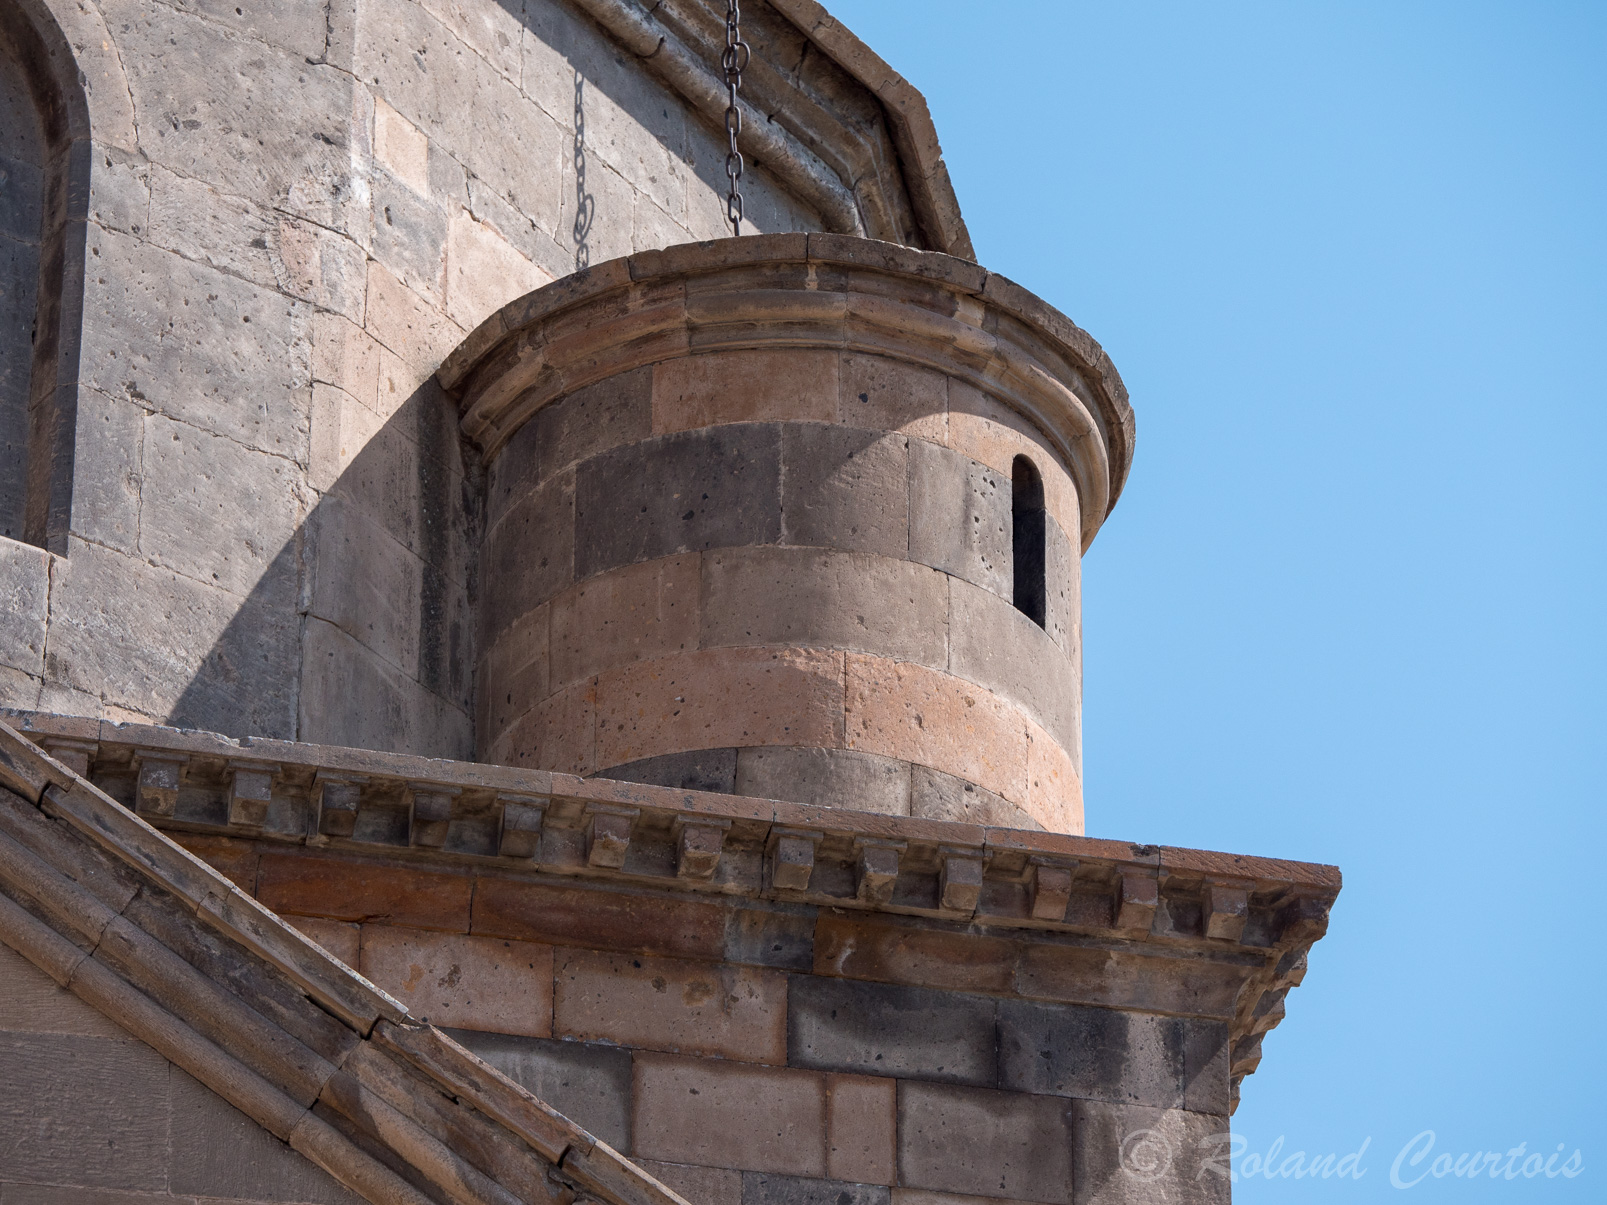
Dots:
pixel 217 1151
pixel 845 488
pixel 409 235
pixel 106 470
pixel 806 596
pixel 212 509
pixel 587 1083
pixel 24 599
pixel 1130 1155
pixel 530 554
pixel 1062 588
pixel 1206 1085
pixel 695 770
pixel 31 1002
pixel 1000 649
pixel 197 345
pixel 1091 1053
pixel 979 1142
pixel 883 1029
pixel 866 782
pixel 781 935
pixel 935 795
pixel 60 1125
pixel 713 488
pixel 365 583
pixel 960 517
pixel 760 1188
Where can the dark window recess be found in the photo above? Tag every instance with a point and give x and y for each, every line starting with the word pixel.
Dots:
pixel 1027 537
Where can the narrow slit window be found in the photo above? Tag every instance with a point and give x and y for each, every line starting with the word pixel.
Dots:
pixel 1027 536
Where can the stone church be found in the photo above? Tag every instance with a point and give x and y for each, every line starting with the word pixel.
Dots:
pixel 515 693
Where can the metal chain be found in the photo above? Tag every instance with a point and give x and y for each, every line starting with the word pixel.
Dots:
pixel 734 60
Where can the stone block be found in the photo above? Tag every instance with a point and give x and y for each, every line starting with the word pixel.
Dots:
pixel 719 697
pixel 32 1002
pixel 960 517
pixel 119 191
pixel 765 385
pixel 861 1126
pixel 604 920
pixel 24 598
pixel 484 272
pixel 480 983
pixel 889 1030
pixel 698 847
pixel 340 938
pixel 712 488
pixel 59 1124
pixel 1091 1053
pixel 590 1085
pixel 220 1152
pixel 429 813
pixel 763 1188
pixel 671 1005
pixel 935 795
pixel 1139 1156
pixel 828 777
pixel 401 147
pixel 106 470
pixel 845 488
pixel 1054 786
pixel 993 433
pixel 879 394
pixel 320 266
pixel 212 509
pixel 409 238
pixel 726 1114
pixel 341 428
pixel 366 583
pixel 1226 909
pixel 1206 1087
pixel 876 869
pixel 216 352
pixel 695 770
pixel 1050 885
pixel 1000 649
pixel 558 734
pixel 419 334
pixel 624 616
pixel 520 828
pixel 612 413
pixel 889 951
pixel 777 935
pixel 347 357
pixel 981 1142
pixel 156 784
pixel 514 675
pixel 705 1185
pixel 919 715
pixel 1063 592
pixel 608 835
pixel 959 881
pixel 250 792
pixel 529 555
pixel 339 889
pixel 1137 897
pixel 805 596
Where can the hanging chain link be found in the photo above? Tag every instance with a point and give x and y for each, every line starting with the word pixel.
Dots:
pixel 734 60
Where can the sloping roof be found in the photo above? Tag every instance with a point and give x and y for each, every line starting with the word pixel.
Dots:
pixel 820 110
pixel 181 958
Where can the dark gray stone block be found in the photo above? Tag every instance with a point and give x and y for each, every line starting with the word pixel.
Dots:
pixel 1093 1053
pixel 719 487
pixel 1206 1084
pixel 589 1084
pixel 866 782
pixel 1002 650
pixel 529 554
pixel 845 488
pixel 882 1029
pixel 781 935
pixel 960 517
pixel 759 1188
pixel 1131 1155
pixel 979 1142
pixel 695 770
pixel 935 795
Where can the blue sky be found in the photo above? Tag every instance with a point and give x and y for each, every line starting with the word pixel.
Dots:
pixel 1351 260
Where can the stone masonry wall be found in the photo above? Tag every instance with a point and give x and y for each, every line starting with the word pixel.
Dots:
pixel 747 571
pixel 22 189
pixel 160 1136
pixel 296 210
pixel 772 1054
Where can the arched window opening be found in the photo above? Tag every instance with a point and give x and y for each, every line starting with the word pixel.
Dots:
pixel 1028 533
pixel 44 172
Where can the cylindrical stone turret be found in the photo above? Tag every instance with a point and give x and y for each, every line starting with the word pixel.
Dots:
pixel 797 517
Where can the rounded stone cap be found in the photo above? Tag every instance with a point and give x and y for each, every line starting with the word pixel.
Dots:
pixel 803 290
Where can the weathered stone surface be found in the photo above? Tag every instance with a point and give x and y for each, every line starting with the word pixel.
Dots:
pixel 340 938
pixel 334 889
pixel 713 488
pixel 706 1185
pixel 696 770
pixel 32 1002
pixel 982 1142
pixel 880 1029
pixel 1000 649
pixel 600 920
pixel 106 470
pixel 789 384
pixel 935 795
pixel 960 517
pixel 845 488
pixel 589 1084
pixel 1206 1086
pixel 1126 1153
pixel 609 414
pixel 529 554
pixel 366 583
pixel 483 272
pixel 726 1114
pixel 829 777
pixel 778 935
pixel 482 983
pixel 879 394
pixel 992 433
pixel 559 733
pixel 401 147
pixel 24 598
pixel 809 597
pixel 861 1128
pixel 624 616
pixel 1092 1053
pixel 671 1005
pixel 760 1188
pixel 409 238
pixel 59 1125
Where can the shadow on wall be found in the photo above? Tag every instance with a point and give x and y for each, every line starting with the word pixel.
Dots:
pixel 360 631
